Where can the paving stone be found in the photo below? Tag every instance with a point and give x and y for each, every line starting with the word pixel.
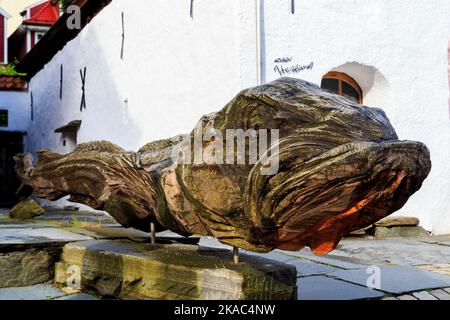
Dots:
pixel 447 289
pixel 443 239
pixel 308 268
pixel 330 259
pixel 68 217
pixel 102 232
pixel 277 255
pixel 439 268
pixel 304 267
pixel 393 251
pixel 406 297
pixel 24 225
pixel 444 243
pixel 324 288
pixel 390 298
pixel 37 292
pixel 396 279
pixel 441 294
pixel 423 295
pixel 78 296
pixel 30 236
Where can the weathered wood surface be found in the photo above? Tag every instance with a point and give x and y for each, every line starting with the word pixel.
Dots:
pixel 342 168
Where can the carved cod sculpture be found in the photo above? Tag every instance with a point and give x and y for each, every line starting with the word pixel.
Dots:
pixel 340 168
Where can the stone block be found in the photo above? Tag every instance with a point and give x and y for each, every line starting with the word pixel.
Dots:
pixel 400 232
pixel 397 221
pixel 26 209
pixel 127 270
pixel 27 268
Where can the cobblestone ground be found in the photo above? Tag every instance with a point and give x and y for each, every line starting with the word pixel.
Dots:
pixel 359 268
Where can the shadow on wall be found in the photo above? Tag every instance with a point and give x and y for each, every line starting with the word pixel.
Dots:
pixel 375 87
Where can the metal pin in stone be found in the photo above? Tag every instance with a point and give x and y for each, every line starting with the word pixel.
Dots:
pixel 152 233
pixel 235 255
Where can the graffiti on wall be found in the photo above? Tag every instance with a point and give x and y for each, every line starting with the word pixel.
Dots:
pixel 285 66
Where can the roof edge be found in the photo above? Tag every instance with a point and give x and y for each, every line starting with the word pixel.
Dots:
pixel 58 36
pixel 5 13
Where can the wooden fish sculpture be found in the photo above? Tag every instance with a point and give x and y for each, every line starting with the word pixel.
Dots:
pixel 324 166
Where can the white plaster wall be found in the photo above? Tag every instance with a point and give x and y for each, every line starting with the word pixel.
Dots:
pixel 17 104
pixel 407 44
pixel 176 69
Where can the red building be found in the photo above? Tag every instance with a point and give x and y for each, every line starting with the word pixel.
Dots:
pixel 37 20
pixel 4 16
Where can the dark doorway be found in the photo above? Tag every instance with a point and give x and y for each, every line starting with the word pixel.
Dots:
pixel 11 143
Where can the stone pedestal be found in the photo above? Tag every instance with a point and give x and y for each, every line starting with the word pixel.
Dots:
pixel 130 270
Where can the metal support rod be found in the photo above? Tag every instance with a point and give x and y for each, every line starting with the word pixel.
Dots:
pixel 152 233
pixel 235 255
pixel 123 36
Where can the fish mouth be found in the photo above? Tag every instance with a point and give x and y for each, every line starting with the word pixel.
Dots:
pixel 343 189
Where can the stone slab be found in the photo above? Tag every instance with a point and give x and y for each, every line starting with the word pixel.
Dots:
pixel 308 268
pixel 117 233
pixel 101 232
pixel 330 259
pixel 37 292
pixel 22 238
pixel 324 288
pixel 65 218
pixel 304 267
pixel 396 279
pixel 27 267
pixel 34 235
pixel 400 232
pixel 390 298
pixel 438 268
pixel 393 251
pixel 423 295
pixel 440 294
pixel 78 296
pixel 127 270
pixel 406 297
pixel 277 255
pixel 69 217
pixel 24 225
pixel 397 221
pixel 211 243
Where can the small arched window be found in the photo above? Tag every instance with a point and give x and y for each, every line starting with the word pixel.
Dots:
pixel 343 85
